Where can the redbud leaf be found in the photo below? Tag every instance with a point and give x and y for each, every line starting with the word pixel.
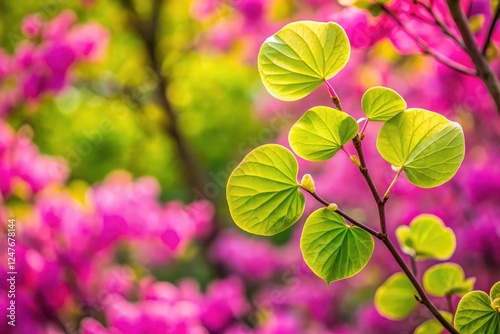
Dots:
pixel 495 291
pixel 433 326
pixel 447 279
pixel 332 249
pixel 427 237
pixel 429 147
pixel 476 313
pixel 381 104
pixel 321 132
pixel 395 299
pixel 263 193
pixel 299 57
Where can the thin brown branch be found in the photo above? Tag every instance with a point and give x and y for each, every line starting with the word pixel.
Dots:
pixel 423 298
pixel 148 29
pixel 353 221
pixel 491 30
pixel 483 68
pixel 364 171
pixel 318 198
pixel 444 28
pixel 427 49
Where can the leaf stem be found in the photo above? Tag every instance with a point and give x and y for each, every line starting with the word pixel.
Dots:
pixel 388 192
pixel 414 265
pixel 364 126
pixel 348 154
pixel 450 304
pixel 333 96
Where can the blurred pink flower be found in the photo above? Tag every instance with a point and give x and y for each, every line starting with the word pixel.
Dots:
pixel 32 25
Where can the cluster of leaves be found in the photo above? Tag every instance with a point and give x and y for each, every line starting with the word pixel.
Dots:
pixel 265 197
pixel 425 238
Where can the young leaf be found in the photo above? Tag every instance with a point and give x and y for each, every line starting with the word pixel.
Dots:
pixel 332 249
pixel 380 104
pixel 495 292
pixel 321 132
pixel 495 296
pixel 479 313
pixel 433 326
pixel 427 237
pixel 395 299
pixel 446 279
pixel 426 145
pixel 263 193
pixel 298 58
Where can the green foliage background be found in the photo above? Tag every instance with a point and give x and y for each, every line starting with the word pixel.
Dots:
pixel 210 91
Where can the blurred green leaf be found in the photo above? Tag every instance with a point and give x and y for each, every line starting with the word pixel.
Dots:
pixel 495 291
pixel 427 237
pixel 395 299
pixel 446 279
pixel 433 326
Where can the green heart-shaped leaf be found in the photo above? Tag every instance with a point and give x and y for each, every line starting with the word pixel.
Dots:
pixel 395 299
pixel 427 237
pixel 298 58
pixel 332 249
pixel 429 147
pixel 321 132
pixel 380 104
pixel 495 292
pixel 447 279
pixel 479 313
pixel 433 326
pixel 263 193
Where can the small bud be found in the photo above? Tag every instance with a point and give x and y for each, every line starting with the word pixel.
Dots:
pixel 332 207
pixel 355 160
pixel 308 183
pixel 361 136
